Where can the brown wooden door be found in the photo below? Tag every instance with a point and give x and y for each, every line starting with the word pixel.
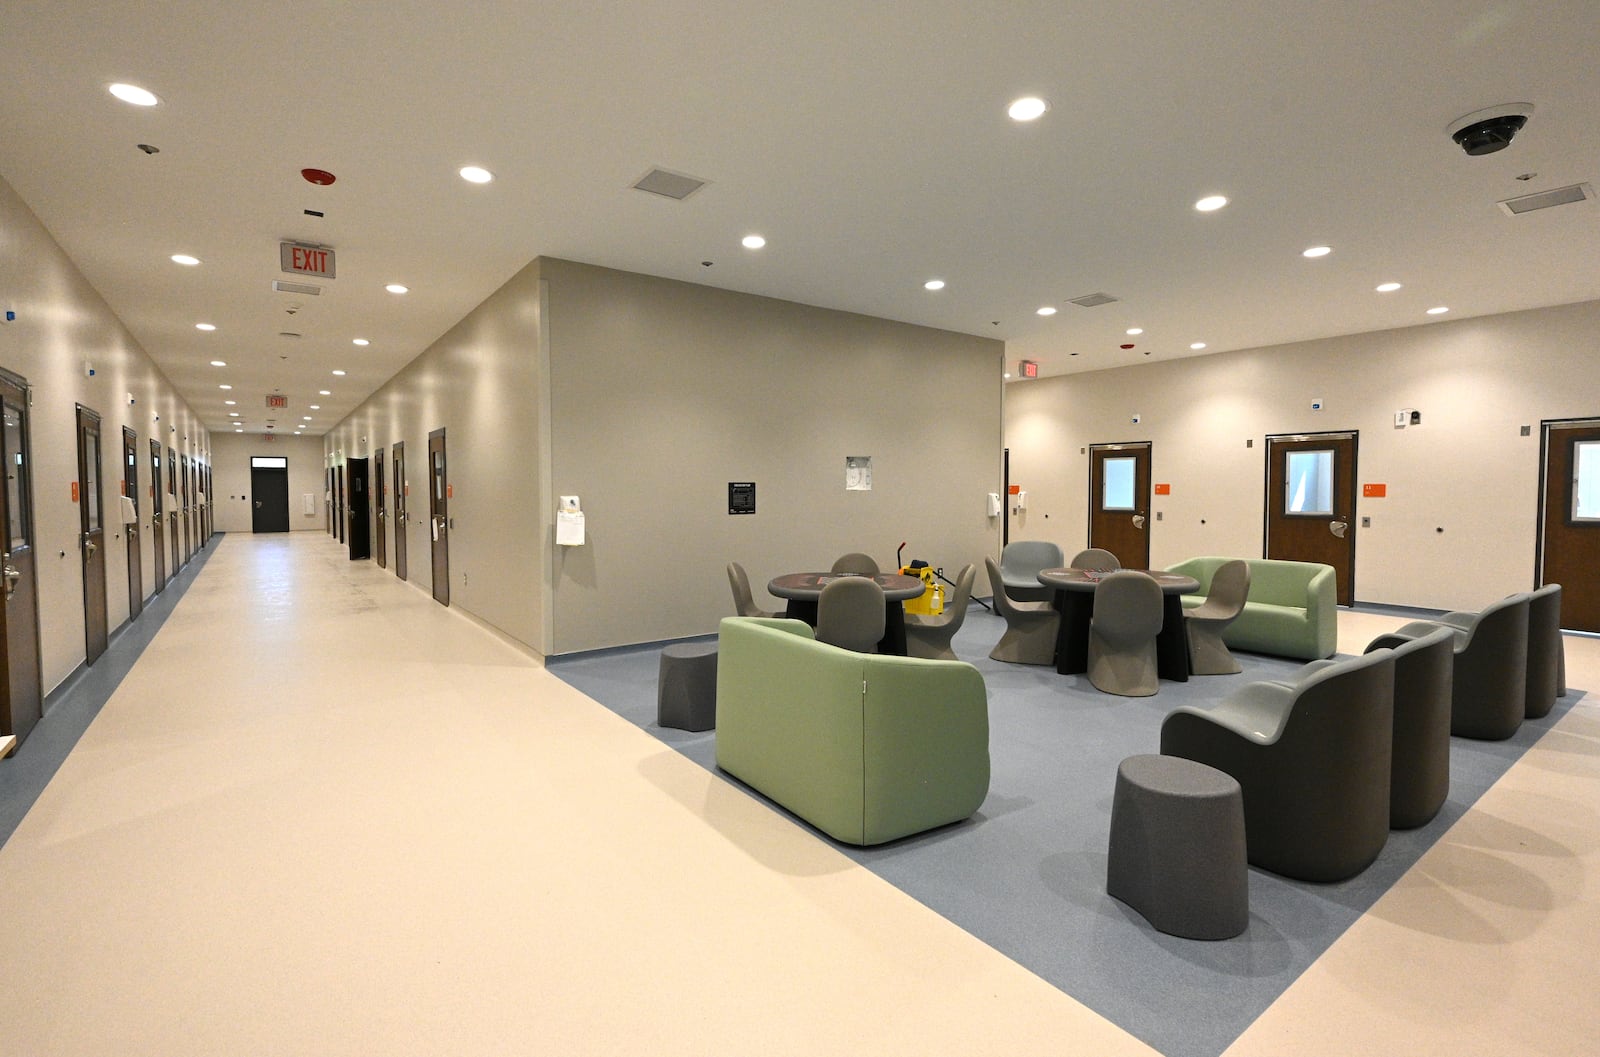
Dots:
pixel 21 688
pixel 1311 503
pixel 439 516
pixel 130 489
pixel 1569 545
pixel 92 534
pixel 399 455
pixel 158 537
pixel 380 517
pixel 172 511
pixel 1119 502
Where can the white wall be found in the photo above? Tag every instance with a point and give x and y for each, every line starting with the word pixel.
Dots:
pixel 1466 469
pixel 61 323
pixel 230 460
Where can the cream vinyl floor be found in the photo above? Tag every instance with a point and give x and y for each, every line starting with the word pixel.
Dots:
pixel 324 815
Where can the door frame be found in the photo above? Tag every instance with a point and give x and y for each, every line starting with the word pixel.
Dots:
pixel 18 717
pixel 92 536
pixel 1142 503
pixel 377 485
pixel 158 536
pixel 1346 590
pixel 130 489
pixel 439 517
pixel 397 455
pixel 1539 545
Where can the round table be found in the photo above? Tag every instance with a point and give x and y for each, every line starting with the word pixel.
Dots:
pixel 1074 599
pixel 803 589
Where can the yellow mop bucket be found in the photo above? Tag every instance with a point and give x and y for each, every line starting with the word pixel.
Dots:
pixel 931 601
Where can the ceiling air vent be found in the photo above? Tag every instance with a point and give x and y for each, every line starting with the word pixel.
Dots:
pixel 668 184
pixel 296 288
pixel 1094 300
pixel 1545 199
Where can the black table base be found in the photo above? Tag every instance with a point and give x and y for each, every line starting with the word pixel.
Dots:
pixel 1072 640
pixel 893 642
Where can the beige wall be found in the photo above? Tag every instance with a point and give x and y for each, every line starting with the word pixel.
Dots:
pixel 479 382
pixel 61 323
pixel 230 461
pixel 659 394
pixel 1465 469
pixel 664 392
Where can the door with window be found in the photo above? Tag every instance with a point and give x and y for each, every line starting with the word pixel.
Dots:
pixel 1119 501
pixel 158 538
pixel 1569 537
pixel 202 478
pixel 359 513
pixel 439 516
pixel 398 453
pixel 380 517
pixel 1311 503
pixel 172 511
pixel 92 537
pixel 130 491
pixel 339 501
pixel 186 470
pixel 21 683
pixel 269 493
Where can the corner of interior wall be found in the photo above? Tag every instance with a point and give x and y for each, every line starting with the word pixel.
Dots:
pixel 546 463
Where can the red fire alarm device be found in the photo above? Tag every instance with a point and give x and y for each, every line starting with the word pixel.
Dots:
pixel 1027 369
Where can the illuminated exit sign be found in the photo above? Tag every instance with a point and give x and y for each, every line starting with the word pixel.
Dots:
pixel 276 401
pixel 1027 369
pixel 305 260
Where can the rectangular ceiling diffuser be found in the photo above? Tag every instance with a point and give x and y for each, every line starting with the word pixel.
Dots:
pixel 1545 199
pixel 668 184
pixel 1093 300
pixel 296 288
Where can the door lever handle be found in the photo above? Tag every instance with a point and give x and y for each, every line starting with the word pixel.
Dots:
pixel 12 574
pixel 1138 521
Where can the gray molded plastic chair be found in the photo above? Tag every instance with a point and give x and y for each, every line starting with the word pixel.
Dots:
pixel 1122 634
pixel 1208 655
pixel 1419 778
pixel 930 636
pixel 1489 680
pixel 1020 565
pixel 856 562
pixel 1314 760
pixel 850 613
pixel 1031 627
pixel 1095 558
pixel 1547 661
pixel 743 602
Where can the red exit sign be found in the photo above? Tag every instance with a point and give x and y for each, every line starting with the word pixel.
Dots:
pixel 305 260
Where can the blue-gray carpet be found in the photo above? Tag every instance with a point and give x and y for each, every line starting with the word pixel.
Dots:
pixel 1027 873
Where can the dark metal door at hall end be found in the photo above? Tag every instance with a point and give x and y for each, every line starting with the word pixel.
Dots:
pixel 439 516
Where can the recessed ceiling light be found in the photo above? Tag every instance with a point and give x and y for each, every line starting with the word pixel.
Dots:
pixel 1211 203
pixel 1006 375
pixel 233 414
pixel 315 407
pixel 933 284
pixel 238 431
pixel 1438 310
pixel 1197 345
pixel 231 403
pixel 132 93
pixel 1316 251
pixel 1047 310
pixel 396 288
pixel 205 326
pixel 305 418
pixel 474 174
pixel 1134 331
pixel 324 392
pixel 752 242
pixel 1028 108
pixel 297 433
pixel 224 386
pixel 1387 288
pixel 339 373
pixel 185 259
pixel 219 363
pixel 360 341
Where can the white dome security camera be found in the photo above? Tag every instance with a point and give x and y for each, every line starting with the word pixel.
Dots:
pixel 1491 129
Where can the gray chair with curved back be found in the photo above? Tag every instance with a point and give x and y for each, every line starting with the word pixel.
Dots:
pixel 856 562
pixel 1547 661
pixel 1122 634
pixel 744 602
pixel 1031 627
pixel 1489 679
pixel 1419 778
pixel 1314 760
pixel 929 637
pixel 851 614
pixel 1020 565
pixel 1208 654
pixel 1095 558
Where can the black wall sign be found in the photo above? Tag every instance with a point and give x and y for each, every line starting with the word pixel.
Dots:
pixel 741 497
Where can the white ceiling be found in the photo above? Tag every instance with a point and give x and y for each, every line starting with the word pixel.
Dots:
pixel 867 142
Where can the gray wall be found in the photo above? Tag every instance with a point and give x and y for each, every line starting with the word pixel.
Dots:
pixel 1465 469
pixel 61 323
pixel 230 454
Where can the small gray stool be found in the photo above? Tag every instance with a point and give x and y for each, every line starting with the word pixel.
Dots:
pixel 686 690
pixel 1177 851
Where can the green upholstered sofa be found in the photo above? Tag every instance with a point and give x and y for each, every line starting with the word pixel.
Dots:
pixel 1290 611
pixel 866 748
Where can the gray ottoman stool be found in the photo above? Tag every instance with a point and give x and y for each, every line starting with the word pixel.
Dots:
pixel 686 690
pixel 1177 851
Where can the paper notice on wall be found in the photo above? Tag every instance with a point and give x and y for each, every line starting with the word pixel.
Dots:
pixel 308 504
pixel 569 529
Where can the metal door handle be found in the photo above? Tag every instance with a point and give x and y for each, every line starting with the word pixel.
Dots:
pixel 88 548
pixel 12 574
pixel 1338 528
pixel 258 504
pixel 1138 521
